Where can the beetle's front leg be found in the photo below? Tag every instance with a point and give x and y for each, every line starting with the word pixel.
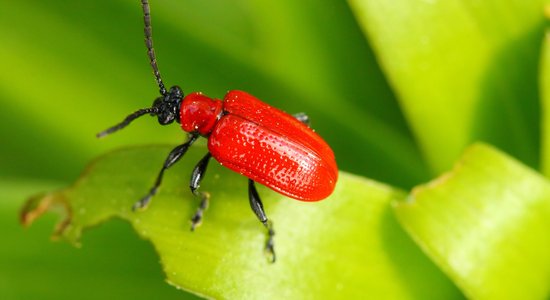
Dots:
pixel 172 158
pixel 258 208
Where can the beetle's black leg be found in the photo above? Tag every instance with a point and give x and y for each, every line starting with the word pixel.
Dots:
pixel 196 178
pixel 258 208
pixel 172 158
pixel 302 117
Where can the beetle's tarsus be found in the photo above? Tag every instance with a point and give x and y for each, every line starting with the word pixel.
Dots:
pixel 143 202
pixel 270 244
pixel 196 220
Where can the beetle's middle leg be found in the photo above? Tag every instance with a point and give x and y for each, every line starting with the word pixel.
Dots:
pixel 196 177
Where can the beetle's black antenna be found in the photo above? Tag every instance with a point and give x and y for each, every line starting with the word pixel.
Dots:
pixel 127 121
pixel 149 45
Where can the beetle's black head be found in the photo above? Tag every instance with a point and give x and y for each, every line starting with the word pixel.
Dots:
pixel 165 107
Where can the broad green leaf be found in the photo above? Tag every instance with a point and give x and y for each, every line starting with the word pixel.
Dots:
pixel 544 82
pixel 347 245
pixel 32 267
pixel 486 225
pixel 464 70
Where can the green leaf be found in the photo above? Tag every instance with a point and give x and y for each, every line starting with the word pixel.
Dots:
pixel 341 247
pixel 464 70
pixel 486 225
pixel 32 267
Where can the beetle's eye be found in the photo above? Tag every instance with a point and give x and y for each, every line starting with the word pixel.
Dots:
pixel 157 102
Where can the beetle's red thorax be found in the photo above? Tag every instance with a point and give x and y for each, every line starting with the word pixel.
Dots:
pixel 199 113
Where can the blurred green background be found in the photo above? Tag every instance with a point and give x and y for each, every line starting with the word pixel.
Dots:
pixel 73 68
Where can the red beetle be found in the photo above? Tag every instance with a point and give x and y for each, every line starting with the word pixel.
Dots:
pixel 245 135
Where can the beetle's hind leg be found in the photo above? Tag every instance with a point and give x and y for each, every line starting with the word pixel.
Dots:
pixel 258 208
pixel 302 117
pixel 196 177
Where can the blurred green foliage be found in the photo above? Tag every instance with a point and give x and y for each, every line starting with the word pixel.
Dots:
pixel 452 72
pixel 72 68
pixel 464 71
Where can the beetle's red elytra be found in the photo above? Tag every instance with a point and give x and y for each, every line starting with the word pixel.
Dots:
pixel 245 135
pixel 270 147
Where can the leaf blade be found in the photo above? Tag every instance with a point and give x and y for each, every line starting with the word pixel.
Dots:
pixel 341 246
pixel 484 224
pixel 35 268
